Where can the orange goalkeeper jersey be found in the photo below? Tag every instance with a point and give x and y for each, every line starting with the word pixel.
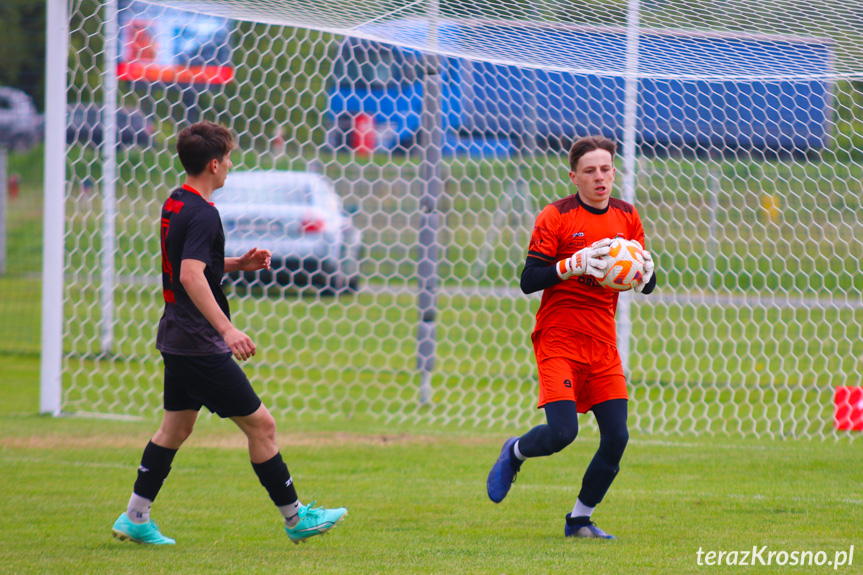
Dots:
pixel 563 228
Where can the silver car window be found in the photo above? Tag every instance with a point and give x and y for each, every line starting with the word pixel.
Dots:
pixel 328 200
pixel 276 195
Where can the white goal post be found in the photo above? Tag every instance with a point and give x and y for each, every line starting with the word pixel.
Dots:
pixel 432 133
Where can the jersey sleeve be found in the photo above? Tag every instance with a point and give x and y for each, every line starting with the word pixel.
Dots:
pixel 202 231
pixel 637 230
pixel 544 240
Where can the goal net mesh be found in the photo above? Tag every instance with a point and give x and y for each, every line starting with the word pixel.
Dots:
pixel 442 130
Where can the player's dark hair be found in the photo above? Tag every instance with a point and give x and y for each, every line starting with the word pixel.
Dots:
pixel 589 144
pixel 202 142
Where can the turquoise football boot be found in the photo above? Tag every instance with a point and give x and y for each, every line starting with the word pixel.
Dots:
pixel 314 521
pixel 147 533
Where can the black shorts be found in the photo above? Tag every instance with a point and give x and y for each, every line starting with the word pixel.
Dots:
pixel 214 381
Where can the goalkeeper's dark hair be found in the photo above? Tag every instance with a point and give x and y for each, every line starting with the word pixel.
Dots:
pixel 589 144
pixel 202 142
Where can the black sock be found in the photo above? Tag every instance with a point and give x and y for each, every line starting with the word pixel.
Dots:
pixel 613 436
pixel 155 466
pixel 559 431
pixel 276 479
pixel 578 521
pixel 514 461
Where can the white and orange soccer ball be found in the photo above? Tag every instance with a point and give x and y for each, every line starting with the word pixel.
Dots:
pixel 625 265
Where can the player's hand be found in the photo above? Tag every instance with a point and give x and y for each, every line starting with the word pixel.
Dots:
pixel 649 267
pixel 587 261
pixel 241 345
pixel 255 259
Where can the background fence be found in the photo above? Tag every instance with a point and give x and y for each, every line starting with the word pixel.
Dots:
pixel 741 147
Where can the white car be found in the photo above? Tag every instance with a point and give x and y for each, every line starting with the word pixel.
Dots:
pixel 299 217
pixel 20 125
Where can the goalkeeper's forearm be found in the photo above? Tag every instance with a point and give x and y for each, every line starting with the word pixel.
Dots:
pixel 650 286
pixel 538 275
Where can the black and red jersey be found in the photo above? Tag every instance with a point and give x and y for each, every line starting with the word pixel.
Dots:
pixel 190 228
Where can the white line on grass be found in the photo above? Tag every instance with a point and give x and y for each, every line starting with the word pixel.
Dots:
pixel 666 443
pixel 680 494
pixel 94 464
pixel 687 495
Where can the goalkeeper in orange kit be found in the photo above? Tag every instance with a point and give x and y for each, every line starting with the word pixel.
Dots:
pixel 575 339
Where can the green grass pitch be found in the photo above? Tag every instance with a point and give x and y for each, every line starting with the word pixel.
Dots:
pixel 416 499
pixel 416 493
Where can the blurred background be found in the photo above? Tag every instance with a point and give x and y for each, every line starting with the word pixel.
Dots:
pixel 394 157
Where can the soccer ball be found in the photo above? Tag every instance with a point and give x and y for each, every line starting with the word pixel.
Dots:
pixel 625 265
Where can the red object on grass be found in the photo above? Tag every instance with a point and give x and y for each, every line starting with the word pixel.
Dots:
pixel 14 185
pixel 363 137
pixel 849 408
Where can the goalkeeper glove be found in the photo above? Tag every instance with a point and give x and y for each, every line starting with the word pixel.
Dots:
pixel 648 271
pixel 585 261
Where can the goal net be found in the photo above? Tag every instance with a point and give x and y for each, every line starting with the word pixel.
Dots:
pixel 393 154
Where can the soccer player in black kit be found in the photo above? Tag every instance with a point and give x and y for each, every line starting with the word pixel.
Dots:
pixel 198 343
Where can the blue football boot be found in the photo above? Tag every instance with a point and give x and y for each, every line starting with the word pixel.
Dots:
pixel 584 527
pixel 503 472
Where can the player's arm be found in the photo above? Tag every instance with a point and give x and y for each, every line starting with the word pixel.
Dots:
pixel 252 260
pixel 586 261
pixel 541 271
pixel 538 274
pixel 648 279
pixel 195 283
pixel 648 286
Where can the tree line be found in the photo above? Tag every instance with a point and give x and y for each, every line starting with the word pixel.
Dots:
pixel 22 47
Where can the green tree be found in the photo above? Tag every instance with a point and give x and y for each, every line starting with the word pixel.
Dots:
pixel 22 48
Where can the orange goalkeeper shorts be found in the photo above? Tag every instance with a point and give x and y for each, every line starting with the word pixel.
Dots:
pixel 575 367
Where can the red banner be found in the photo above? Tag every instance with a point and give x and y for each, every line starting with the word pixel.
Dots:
pixel 151 72
pixel 849 408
